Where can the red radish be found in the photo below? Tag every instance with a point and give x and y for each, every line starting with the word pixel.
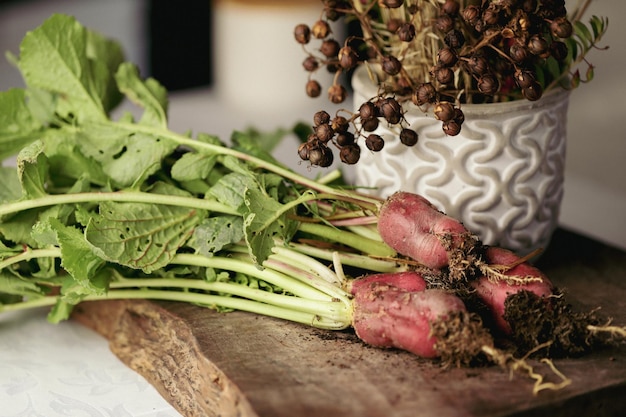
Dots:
pixel 407 280
pixel 387 316
pixel 494 291
pixel 413 227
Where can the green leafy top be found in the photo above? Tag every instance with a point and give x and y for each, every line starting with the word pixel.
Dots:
pixel 123 202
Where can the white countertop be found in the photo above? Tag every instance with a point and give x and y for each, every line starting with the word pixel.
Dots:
pixel 67 370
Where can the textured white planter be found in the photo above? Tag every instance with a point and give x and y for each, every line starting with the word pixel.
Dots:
pixel 502 176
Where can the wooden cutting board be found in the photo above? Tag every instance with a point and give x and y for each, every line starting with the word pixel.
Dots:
pixel 238 364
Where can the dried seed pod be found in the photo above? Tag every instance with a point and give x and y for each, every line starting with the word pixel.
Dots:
pixel 454 39
pixel 561 27
pixel 558 50
pixel 459 116
pixel 471 14
pixel 391 65
pixel 367 110
pixel 321 118
pixel 302 33
pixel 451 127
pixel 320 29
pixel 488 84
pixel 478 65
pixel 444 23
pixel 444 111
pixel 524 78
pixel 406 32
pixel 337 93
pixel 324 132
pixel 313 89
pixel 451 7
pixel 447 56
pixel 391 110
pixel 350 154
pixel 537 45
pixel 321 155
pixel 374 142
pixel 330 48
pixel 344 139
pixel 491 15
pixel 518 52
pixel 310 64
pixel 370 124
pixel 348 58
pixel 424 94
pixel 408 137
pixel 303 151
pixel 444 75
pixel 340 124
pixel 533 92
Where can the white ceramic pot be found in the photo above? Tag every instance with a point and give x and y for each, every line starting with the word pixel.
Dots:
pixel 502 176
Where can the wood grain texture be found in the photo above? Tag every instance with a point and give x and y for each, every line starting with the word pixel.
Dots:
pixel 238 364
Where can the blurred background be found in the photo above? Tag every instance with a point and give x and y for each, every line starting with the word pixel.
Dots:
pixel 232 64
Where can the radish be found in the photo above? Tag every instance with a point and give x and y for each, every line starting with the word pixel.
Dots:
pixel 414 227
pixel 387 316
pixel 494 291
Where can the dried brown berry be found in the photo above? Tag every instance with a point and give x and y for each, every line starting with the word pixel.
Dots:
pixel 471 14
pixel 451 7
pixel 374 142
pixel 391 65
pixel 444 111
pixel 367 110
pixel 518 52
pixel 330 48
pixel 533 92
pixel 340 124
pixel 324 132
pixel 444 75
pixel 447 56
pixel 337 93
pixel 524 78
pixel 561 27
pixel 370 124
pixel 391 110
pixel 344 139
pixel 537 45
pixel 454 39
pixel 313 89
pixel 302 33
pixel 451 127
pixel 303 151
pixel 406 32
pixel 477 65
pixel 393 25
pixel 424 94
pixel 310 64
pixel 408 137
pixel 488 84
pixel 348 58
pixel 444 23
pixel 321 118
pixel 558 50
pixel 350 154
pixel 321 155
pixel 320 29
pixel 491 15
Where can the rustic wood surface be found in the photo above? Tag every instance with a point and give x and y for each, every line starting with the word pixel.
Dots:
pixel 238 364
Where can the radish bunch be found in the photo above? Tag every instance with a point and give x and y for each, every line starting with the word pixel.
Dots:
pixel 464 297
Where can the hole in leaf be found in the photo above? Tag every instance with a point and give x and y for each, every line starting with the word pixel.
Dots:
pixel 120 153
